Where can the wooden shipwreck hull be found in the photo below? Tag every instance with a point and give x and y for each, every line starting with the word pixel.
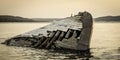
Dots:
pixel 69 33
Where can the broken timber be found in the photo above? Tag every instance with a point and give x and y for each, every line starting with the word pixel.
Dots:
pixel 68 33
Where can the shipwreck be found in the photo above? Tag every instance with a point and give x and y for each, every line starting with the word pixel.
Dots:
pixel 70 33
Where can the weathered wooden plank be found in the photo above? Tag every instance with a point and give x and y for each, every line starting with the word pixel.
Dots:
pixel 48 39
pixel 39 42
pixel 69 33
pixel 62 35
pixel 58 32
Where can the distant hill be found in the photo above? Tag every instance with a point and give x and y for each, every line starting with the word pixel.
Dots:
pixel 8 18
pixel 108 19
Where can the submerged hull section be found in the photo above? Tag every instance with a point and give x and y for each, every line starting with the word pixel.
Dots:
pixel 70 33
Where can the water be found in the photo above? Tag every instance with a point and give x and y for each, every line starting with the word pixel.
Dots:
pixel 105 43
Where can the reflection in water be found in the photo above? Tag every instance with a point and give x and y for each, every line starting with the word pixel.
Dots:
pixel 104 44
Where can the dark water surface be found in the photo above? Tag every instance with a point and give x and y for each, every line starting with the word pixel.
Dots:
pixel 105 43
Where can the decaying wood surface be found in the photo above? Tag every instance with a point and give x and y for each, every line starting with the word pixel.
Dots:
pixel 69 33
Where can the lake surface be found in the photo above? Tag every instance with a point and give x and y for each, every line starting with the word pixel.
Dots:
pixel 105 43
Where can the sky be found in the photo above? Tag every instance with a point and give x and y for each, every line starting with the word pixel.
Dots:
pixel 58 8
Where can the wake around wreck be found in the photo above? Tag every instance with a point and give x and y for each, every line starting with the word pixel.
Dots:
pixel 71 33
